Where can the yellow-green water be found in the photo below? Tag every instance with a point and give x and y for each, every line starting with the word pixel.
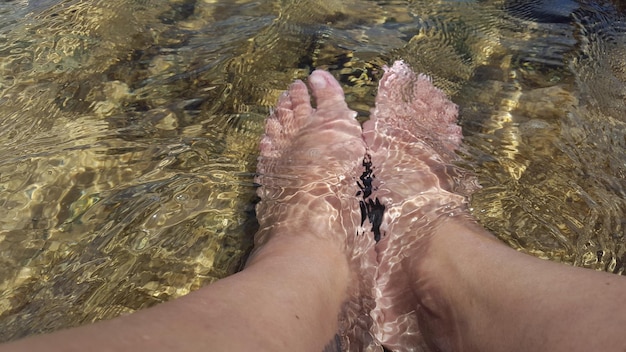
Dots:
pixel 129 132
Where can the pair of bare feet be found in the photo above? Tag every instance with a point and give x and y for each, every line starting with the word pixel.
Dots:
pixel 377 192
pixel 363 238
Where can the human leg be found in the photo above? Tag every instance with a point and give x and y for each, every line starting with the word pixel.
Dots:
pixel 446 280
pixel 309 166
pixel 477 294
pixel 411 137
pixel 288 300
pixel 300 286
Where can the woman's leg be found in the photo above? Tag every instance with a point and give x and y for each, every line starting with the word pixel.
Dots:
pixel 476 294
pixel 288 299
pixel 446 280
pixel 411 136
pixel 302 285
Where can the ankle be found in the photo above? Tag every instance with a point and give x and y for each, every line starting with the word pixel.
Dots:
pixel 323 262
pixel 442 280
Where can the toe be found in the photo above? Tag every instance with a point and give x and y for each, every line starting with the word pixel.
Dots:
pixel 300 103
pixel 326 90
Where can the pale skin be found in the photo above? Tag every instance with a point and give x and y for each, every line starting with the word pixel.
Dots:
pixel 244 312
pixel 501 300
pixel 480 296
pixel 485 296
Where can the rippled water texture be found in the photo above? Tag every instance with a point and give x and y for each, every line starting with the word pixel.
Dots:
pixel 129 132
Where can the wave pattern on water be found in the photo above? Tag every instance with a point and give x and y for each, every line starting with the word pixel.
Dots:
pixel 130 130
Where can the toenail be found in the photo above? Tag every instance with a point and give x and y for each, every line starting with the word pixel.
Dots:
pixel 317 81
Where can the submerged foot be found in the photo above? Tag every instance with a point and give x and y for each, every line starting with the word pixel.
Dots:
pixel 307 161
pixel 412 135
pixel 308 169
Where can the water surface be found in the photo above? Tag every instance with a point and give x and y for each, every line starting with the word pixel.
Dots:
pixel 129 132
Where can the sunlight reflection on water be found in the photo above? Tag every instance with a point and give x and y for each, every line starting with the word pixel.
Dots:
pixel 130 129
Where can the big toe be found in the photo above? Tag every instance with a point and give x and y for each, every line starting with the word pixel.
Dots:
pixel 326 90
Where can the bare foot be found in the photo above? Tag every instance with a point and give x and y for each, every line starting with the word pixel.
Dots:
pixel 412 135
pixel 308 170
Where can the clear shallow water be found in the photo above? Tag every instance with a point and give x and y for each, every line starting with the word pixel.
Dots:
pixel 130 129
